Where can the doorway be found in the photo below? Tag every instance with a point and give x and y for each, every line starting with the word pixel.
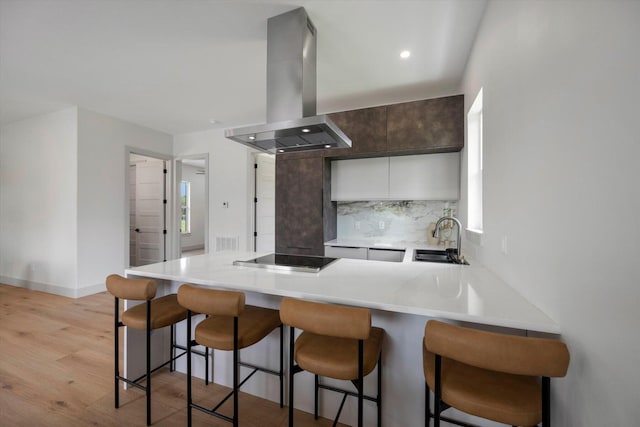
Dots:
pixel 192 183
pixel 147 209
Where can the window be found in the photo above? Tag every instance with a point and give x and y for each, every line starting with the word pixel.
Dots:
pixel 474 165
pixel 185 207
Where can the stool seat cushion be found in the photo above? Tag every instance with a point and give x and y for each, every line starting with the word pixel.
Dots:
pixel 506 398
pixel 165 311
pixel 335 357
pixel 254 323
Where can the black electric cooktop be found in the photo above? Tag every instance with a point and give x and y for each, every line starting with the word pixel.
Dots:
pixel 285 262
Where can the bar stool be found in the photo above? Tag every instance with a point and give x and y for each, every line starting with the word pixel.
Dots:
pixel 156 313
pixel 499 377
pixel 231 326
pixel 337 342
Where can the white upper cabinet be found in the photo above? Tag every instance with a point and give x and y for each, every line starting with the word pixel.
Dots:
pixel 418 177
pixel 425 177
pixel 360 179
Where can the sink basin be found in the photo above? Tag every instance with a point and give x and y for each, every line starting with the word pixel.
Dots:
pixel 447 256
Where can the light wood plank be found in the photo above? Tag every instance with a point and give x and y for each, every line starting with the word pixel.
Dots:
pixel 56 369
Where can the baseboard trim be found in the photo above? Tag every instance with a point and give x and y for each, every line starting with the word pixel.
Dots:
pixel 90 290
pixel 53 289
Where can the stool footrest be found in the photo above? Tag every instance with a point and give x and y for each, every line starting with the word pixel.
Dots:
pixel 198 352
pixel 133 383
pixel 210 412
pixel 143 376
pixel 347 392
pixel 260 368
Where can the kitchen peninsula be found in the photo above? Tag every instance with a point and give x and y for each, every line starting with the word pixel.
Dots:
pixel 402 296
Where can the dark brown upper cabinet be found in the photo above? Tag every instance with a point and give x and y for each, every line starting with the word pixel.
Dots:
pixel 432 125
pixel 367 129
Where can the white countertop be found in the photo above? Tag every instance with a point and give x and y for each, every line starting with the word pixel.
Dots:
pixel 467 293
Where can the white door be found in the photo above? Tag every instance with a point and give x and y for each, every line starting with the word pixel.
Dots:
pixel 150 211
pixel 133 261
pixel 265 205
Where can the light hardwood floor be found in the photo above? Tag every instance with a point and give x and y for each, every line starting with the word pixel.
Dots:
pixel 56 369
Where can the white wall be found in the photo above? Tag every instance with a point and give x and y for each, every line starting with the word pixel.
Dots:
pixel 63 216
pixel 195 239
pixel 38 190
pixel 561 85
pixel 102 204
pixel 230 180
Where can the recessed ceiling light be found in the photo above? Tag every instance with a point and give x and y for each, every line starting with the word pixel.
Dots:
pixel 281 151
pixel 252 137
pixel 405 54
pixel 305 130
pixel 213 121
pixel 327 146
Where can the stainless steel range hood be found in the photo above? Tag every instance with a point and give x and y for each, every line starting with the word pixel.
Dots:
pixel 292 123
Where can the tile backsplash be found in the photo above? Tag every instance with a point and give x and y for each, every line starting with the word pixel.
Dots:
pixel 405 220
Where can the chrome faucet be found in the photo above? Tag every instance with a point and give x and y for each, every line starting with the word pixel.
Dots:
pixel 457 221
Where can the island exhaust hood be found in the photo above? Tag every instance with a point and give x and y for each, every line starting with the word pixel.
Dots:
pixel 292 123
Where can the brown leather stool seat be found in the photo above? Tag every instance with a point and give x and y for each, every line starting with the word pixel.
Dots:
pixel 335 357
pixel 490 375
pixel 254 324
pixel 336 342
pixel 231 326
pixel 155 313
pixel 165 311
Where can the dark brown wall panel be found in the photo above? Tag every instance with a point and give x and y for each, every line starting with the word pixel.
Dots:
pixel 299 206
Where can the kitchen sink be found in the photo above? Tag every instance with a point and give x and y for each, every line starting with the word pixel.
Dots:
pixel 447 256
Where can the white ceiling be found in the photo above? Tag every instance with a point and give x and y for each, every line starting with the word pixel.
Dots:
pixel 172 65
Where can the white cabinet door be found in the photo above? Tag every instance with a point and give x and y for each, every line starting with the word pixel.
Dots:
pixel 360 179
pixel 345 252
pixel 425 177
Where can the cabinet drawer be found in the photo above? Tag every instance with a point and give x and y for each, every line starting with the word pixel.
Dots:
pixel 345 252
pixel 393 255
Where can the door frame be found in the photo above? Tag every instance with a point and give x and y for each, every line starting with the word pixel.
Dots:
pixel 177 246
pixel 129 150
pixel 254 202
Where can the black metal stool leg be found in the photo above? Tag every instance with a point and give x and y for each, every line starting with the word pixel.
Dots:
pixel 281 365
pixel 315 397
pixel 427 406
pixel 117 354
pixel 236 368
pixel 148 390
pixel 172 348
pixel 380 389
pixel 360 382
pixel 206 365
pixel 437 392
pixel 291 373
pixel 189 400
